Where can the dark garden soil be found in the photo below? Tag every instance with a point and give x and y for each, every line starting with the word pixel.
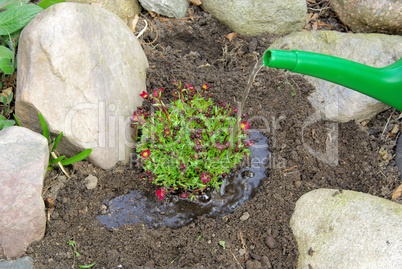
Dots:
pixel 196 51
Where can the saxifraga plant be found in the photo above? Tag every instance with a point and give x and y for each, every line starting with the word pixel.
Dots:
pixel 190 145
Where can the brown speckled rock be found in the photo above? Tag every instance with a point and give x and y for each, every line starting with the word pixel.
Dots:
pixel 24 155
pixel 370 16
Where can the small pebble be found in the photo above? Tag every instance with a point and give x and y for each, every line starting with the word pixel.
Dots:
pixel 265 261
pixel 298 184
pixel 270 241
pixel 250 264
pixel 209 241
pixel 103 209
pixel 242 252
pixel 91 182
pixel 245 216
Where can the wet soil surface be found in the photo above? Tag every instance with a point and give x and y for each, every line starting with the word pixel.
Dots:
pixel 257 233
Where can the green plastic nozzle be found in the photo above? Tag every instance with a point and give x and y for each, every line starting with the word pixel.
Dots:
pixel 383 84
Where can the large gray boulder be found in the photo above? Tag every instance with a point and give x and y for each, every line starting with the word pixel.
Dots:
pixel 24 156
pixel 83 69
pixel 333 101
pixel 122 8
pixel 347 229
pixel 169 8
pixel 370 16
pixel 253 17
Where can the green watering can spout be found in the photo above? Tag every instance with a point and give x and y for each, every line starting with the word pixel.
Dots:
pixel 383 84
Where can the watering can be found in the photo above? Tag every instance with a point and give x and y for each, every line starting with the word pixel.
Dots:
pixel 383 84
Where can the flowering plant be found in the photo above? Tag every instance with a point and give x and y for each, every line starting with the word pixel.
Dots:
pixel 189 145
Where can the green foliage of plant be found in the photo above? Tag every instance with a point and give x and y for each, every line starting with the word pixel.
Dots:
pixel 6 100
pixel 47 3
pixel 74 246
pixel 87 266
pixel 53 158
pixel 15 16
pixel 189 145
pixel 4 122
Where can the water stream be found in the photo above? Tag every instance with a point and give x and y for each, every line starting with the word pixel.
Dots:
pixel 250 81
pixel 174 211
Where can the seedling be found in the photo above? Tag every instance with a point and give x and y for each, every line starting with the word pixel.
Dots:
pixel 53 158
pixel 74 246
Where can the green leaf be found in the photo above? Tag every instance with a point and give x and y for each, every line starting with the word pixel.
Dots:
pixel 6 53
pixel 45 130
pixel 222 244
pixel 17 18
pixel 56 160
pixel 8 4
pixel 16 119
pixel 77 158
pixel 12 41
pixel 47 3
pixel 6 66
pixel 4 99
pixel 4 123
pixel 56 142
pixel 87 266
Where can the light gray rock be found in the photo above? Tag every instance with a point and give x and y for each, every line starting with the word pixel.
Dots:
pixel 91 182
pixel 253 17
pixel 24 156
pixel 245 216
pixel 169 8
pixel 347 229
pixel 122 8
pixel 83 69
pixel 370 16
pixel 22 263
pixel 333 101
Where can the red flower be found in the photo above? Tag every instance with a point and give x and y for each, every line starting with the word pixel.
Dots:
pixel 248 143
pixel 205 87
pixel 156 94
pixel 134 118
pixel 144 95
pixel 145 154
pixel 244 125
pixel 205 179
pixel 160 193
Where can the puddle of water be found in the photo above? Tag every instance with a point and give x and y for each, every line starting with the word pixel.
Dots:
pixel 174 211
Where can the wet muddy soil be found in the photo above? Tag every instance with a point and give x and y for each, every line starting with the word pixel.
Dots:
pixel 257 233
